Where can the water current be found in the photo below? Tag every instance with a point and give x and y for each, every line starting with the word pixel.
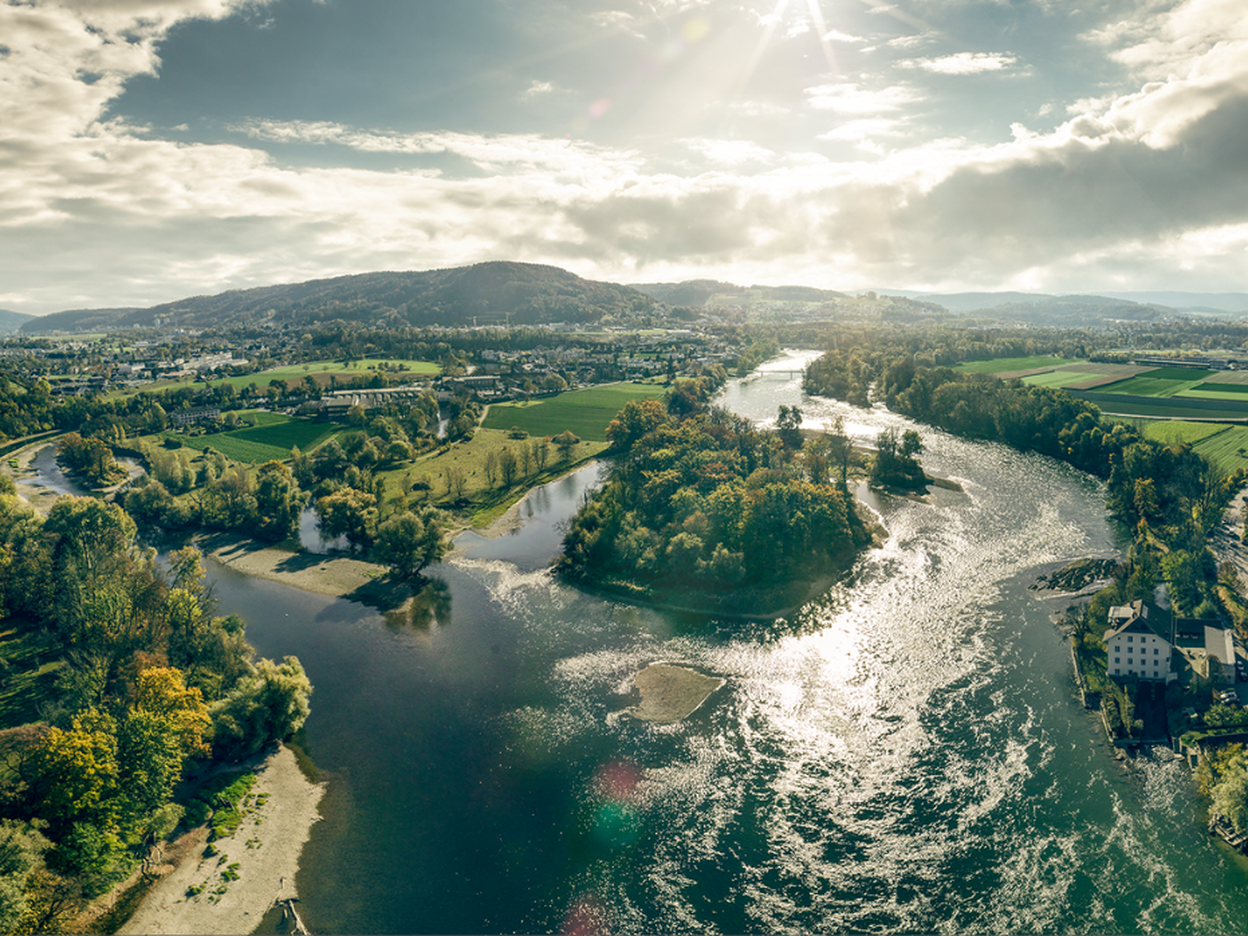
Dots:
pixel 906 754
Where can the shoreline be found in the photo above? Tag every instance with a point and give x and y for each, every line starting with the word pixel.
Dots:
pixel 263 852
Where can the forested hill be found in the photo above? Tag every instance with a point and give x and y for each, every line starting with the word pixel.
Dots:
pixel 11 321
pixel 714 292
pixel 487 293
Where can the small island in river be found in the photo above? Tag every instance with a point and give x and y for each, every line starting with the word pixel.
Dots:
pixel 704 512
pixel 671 693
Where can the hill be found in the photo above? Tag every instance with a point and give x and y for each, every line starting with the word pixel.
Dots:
pixel 714 292
pixel 485 293
pixel 1044 309
pixel 12 321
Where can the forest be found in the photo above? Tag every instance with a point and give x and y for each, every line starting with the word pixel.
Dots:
pixel 703 508
pixel 127 684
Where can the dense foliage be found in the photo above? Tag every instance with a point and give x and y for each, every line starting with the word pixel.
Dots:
pixel 141 681
pixel 703 508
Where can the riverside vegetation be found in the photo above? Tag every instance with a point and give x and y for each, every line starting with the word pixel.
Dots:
pixel 702 510
pixel 119 682
pixel 1166 493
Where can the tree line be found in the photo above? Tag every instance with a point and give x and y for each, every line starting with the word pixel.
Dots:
pixel 136 684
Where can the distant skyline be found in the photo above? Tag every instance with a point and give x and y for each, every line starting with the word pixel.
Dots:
pixel 156 149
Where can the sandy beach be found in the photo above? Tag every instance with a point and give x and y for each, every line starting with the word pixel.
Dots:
pixel 39 497
pixel 333 574
pixel 265 848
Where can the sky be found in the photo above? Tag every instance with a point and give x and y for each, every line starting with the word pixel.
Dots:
pixel 156 149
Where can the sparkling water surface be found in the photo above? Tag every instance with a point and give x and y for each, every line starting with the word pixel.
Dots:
pixel 905 754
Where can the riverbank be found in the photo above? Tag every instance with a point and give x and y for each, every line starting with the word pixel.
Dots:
pixel 263 854
pixel 335 575
pixel 18 466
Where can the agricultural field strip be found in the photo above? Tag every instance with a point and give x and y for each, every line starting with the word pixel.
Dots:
pixel 263 442
pixel 586 413
pixel 1227 450
pixel 1178 430
pixel 1033 364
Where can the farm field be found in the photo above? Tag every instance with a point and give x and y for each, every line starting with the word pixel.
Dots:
pixel 1062 378
pixel 323 370
pixel 1163 382
pixel 1227 450
pixel 1178 430
pixel 585 413
pixel 1224 445
pixel 1007 365
pixel 1218 391
pixel 273 438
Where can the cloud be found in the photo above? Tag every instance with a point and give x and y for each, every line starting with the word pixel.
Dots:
pixel 836 36
pixel 537 88
pixel 99 212
pixel 852 98
pixel 963 63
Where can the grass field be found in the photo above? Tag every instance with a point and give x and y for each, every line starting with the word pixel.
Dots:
pixel 1159 383
pixel 1227 450
pixel 1006 365
pixel 272 438
pixel 1178 430
pixel 585 413
pixel 1061 378
pixel 322 370
pixel 1224 445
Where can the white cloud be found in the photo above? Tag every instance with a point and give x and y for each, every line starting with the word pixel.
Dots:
pixel 964 63
pixel 537 88
pixel 837 36
pixel 93 212
pixel 852 98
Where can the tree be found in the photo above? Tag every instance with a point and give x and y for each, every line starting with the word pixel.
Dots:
pixel 456 481
pixel 268 705
pixel 351 513
pixel 566 442
pixel 491 467
pixel 634 420
pixel 22 848
pixel 279 502
pixel 76 772
pixel 789 426
pixel 410 541
pixel 507 466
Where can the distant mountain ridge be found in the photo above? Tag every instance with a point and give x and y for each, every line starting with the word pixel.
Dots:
pixel 485 293
pixel 12 321
pixel 698 293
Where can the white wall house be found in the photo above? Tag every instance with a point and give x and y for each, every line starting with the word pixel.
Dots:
pixel 1138 642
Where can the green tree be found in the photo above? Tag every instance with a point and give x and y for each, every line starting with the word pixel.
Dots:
pixel 410 541
pixel 566 442
pixel 351 513
pixel 279 502
pixel 268 705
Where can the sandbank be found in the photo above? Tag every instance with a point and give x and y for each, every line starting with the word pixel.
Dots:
pixel 335 575
pixel 670 693
pixel 266 849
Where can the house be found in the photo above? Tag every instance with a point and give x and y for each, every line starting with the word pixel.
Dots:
pixel 1208 646
pixel 1138 642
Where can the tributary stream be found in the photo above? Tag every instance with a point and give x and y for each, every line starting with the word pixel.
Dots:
pixel 906 754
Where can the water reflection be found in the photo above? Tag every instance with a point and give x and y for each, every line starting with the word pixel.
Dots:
pixel 429 607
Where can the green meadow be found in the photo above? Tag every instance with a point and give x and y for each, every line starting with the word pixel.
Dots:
pixel 272 437
pixel 585 413
pixel 1008 365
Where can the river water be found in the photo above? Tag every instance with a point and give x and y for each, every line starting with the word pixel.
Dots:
pixel 905 754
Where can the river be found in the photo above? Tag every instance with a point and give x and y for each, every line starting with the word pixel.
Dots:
pixel 907 753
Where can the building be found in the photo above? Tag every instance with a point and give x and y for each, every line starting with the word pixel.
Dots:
pixel 1208 646
pixel 1138 642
